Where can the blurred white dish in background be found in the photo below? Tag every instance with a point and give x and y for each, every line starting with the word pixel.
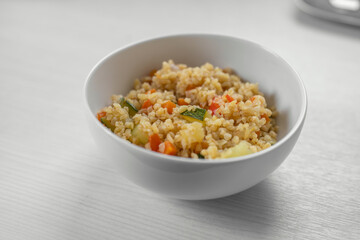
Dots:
pixel 351 5
pixel 344 11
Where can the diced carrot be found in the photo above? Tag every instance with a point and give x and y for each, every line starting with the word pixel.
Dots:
pixel 266 117
pixel 152 72
pixel 169 106
pixel 170 149
pixel 100 115
pixel 258 133
pixel 204 145
pixel 252 99
pixel 154 141
pixel 229 98
pixel 191 86
pixel 213 107
pixel 146 104
pixel 151 91
pixel 181 101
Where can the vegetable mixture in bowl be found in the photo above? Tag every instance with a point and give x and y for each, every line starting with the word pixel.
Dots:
pixel 197 112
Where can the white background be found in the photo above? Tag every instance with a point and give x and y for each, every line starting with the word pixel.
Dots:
pixel 55 183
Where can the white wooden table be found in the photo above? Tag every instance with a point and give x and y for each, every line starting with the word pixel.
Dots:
pixel 55 183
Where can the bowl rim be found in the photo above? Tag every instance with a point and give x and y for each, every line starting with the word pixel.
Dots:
pixel 164 157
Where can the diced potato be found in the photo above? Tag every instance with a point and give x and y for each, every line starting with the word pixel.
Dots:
pixel 198 132
pixel 192 133
pixel 139 136
pixel 241 149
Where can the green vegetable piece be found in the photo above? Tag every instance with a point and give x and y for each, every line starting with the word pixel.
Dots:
pixel 132 108
pixel 107 123
pixel 198 113
pixel 201 156
pixel 139 136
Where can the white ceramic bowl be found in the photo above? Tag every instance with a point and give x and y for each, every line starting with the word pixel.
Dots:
pixel 185 178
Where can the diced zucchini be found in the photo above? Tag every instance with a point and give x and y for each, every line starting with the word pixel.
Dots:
pixel 190 119
pixel 200 156
pixel 139 136
pixel 197 115
pixel 132 109
pixel 241 149
pixel 107 123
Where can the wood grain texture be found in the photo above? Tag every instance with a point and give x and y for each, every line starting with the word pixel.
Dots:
pixel 55 183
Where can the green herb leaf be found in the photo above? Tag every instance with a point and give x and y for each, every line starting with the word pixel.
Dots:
pixel 200 156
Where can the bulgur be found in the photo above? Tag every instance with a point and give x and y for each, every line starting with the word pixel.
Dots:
pixel 197 112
